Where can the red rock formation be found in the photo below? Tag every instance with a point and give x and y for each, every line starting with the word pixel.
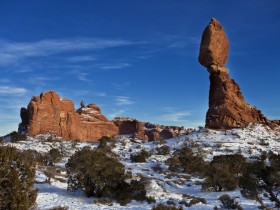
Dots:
pixel 214 45
pixel 227 107
pixel 147 131
pixel 48 113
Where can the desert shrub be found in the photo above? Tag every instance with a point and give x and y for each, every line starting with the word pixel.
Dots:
pixel 163 150
pixel 54 156
pixel 100 175
pixel 17 176
pixel 157 168
pixel 166 207
pixel 105 144
pixel 262 175
pixel 187 161
pixel 33 155
pixel 15 137
pixel 195 201
pixel 140 157
pixel 229 202
pixel 224 172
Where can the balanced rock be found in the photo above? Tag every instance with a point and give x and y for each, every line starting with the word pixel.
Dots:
pixel 227 107
pixel 214 45
pixel 48 113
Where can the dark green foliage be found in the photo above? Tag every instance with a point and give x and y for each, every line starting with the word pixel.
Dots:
pixel 140 157
pixel 17 177
pixel 166 207
pixel 187 161
pixel 52 157
pixel 163 150
pixel 103 141
pixel 104 144
pixel 224 172
pixel 1 140
pixel 100 175
pixel 15 137
pixel 34 156
pixel 262 177
pixel 229 202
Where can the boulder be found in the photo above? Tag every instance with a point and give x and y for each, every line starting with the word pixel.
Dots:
pixel 214 45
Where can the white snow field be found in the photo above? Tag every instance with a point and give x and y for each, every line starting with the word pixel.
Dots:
pixel 163 187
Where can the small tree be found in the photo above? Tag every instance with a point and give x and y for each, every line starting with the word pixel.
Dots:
pixel 260 177
pixel 53 156
pixel 140 157
pixel 186 160
pixel 224 172
pixel 100 175
pixel 17 177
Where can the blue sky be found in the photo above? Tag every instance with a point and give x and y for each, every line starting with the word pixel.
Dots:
pixel 134 58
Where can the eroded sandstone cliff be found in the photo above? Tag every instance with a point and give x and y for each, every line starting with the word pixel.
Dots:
pixel 49 114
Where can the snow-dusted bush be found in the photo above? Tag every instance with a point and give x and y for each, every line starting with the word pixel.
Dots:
pixel 101 175
pixel 53 156
pixel 224 172
pixel 262 175
pixel 17 177
pixel 229 202
pixel 140 157
pixel 186 160
pixel 163 150
pixel 34 155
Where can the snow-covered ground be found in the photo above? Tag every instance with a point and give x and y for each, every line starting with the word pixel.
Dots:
pixel 163 187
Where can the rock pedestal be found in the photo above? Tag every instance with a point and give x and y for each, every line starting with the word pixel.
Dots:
pixel 227 107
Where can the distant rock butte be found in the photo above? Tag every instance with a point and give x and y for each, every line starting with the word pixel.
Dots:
pixel 49 114
pixel 146 130
pixel 227 107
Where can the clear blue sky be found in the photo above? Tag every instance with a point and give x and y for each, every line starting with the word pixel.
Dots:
pixel 135 58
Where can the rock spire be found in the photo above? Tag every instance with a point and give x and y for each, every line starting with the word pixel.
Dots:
pixel 227 107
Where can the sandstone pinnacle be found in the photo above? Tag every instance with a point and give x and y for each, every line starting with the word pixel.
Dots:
pixel 227 106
